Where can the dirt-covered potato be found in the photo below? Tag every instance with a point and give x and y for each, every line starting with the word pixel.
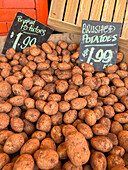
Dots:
pixel 85 130
pixel 68 129
pixel 105 143
pixel 81 113
pixel 56 134
pixel 4 120
pixel 90 117
pixel 119 57
pixel 99 111
pixel 111 69
pixel 123 139
pixel 100 130
pixel 44 123
pixel 61 86
pixel 69 166
pixel 70 116
pixel 124 100
pixel 41 95
pixel 51 108
pixel 17 124
pixel 46 158
pixel 62 151
pixel 29 103
pixel 25 162
pixel 113 138
pixel 77 79
pixel 32 115
pixel 5 89
pixel 121 117
pixel 4 159
pixel 78 103
pixel 30 146
pixel 70 95
pixel 48 143
pixel 29 127
pixel 87 67
pixel 116 127
pixel 98 161
pixel 39 135
pixel 8 166
pixel 117 150
pixel 84 90
pixel 64 106
pixel 108 111
pixel 77 149
pixel 13 143
pixel 104 90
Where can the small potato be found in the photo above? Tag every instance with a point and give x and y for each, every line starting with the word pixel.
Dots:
pixel 64 66
pixel 72 47
pixel 90 117
pixel 113 160
pixel 5 89
pixel 13 143
pixel 77 79
pixel 46 48
pixel 12 80
pixel 113 138
pixel 98 161
pixel 99 111
pixel 25 136
pixel 25 162
pixel 91 101
pixel 41 95
pixel 111 69
pixel 50 87
pixel 30 146
pixel 117 82
pixel 70 116
pixel 123 139
pixel 54 97
pixel 32 115
pixel 44 123
pixel 51 108
pixel 70 95
pixel 84 91
pixel 124 100
pixel 64 106
pixel 34 51
pixel 40 105
pixel 81 113
pixel 113 89
pixel 109 111
pixel 17 100
pixel 85 130
pixel 87 67
pixel 104 90
pixel 4 159
pixel 4 134
pixel 19 90
pixel 126 82
pixel 116 127
pixel 31 65
pixel 62 151
pixel 87 167
pixel 105 143
pixel 122 73
pixel 112 76
pixel 27 83
pixel 58 50
pixel 63 75
pixel 78 103
pixel 27 71
pixel 75 56
pixel 46 158
pixel 15 112
pixel 63 44
pixel 106 122
pixel 56 134
pixel 117 150
pixel 76 122
pixel 10 53
pixel 91 82
pixel 76 70
pixel 29 103
pixel 68 129
pixel 61 86
pixel 5 72
pixel 119 57
pixel 121 117
pixel 69 166
pixel 76 144
pixel 125 158
pixel 4 120
pixel 100 130
pixel 115 99
pixel 39 135
pixel 48 143
pixel 57 119
pixel 29 127
pixel 17 124
pixel 38 81
pixel 105 81
pixel 108 101
pixel 8 166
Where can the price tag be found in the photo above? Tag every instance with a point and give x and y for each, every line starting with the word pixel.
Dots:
pixel 24 32
pixel 99 43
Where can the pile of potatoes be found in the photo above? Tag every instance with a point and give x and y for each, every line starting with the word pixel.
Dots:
pixel 56 115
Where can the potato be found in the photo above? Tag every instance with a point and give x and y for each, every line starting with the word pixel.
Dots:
pixel 62 151
pixel 87 167
pixel 104 90
pixel 106 122
pixel 84 91
pixel 121 117
pixel 123 139
pixel 72 47
pixel 41 95
pixel 116 127
pixel 30 146
pixel 81 113
pixel 19 90
pixel 117 82
pixel 111 69
pixel 40 105
pixel 91 101
pixel 46 47
pixel 78 103
pixel 98 161
pixel 54 97
pixel 69 166
pixel 70 95
pixel 5 89
pixel 125 158
pixel 29 103
pixel 51 108
pixel 115 99
pixel 113 160
pixel 4 121
pixel 17 100
pixel 10 53
pixel 32 115
pixel 108 111
pixel 119 57
pixel 25 162
pixel 48 143
pixel 39 135
pixel 105 143
pixel 68 129
pixel 13 143
pixel 4 134
pixel 56 134
pixel 76 70
pixel 8 166
pixel 105 81
pixel 38 81
pixel 57 118
pixel 117 150
pixel 113 138
pixel 44 123
pixel 124 100
pixel 29 127
pixel 70 116
pixel 17 124
pixel 90 117
pixel 99 111
pixel 4 159
pixel 61 86
pixel 122 73
pixel 85 130
pixel 46 158
pixel 64 106
pixel 99 129
pixel 77 149
pixel 25 136
pixel 77 79
pixel 87 67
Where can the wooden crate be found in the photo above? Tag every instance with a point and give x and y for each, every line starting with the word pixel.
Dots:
pixel 66 15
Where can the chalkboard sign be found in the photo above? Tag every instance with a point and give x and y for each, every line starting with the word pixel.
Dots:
pixel 24 32
pixel 99 43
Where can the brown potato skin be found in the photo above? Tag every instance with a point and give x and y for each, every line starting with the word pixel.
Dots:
pixel 17 124
pixel 62 151
pixel 69 166
pixel 4 120
pixel 48 143
pixel 116 127
pixel 98 161
pixel 25 162
pixel 46 158
pixel 90 117
pixel 100 130
pixel 87 67
pixel 39 135
pixel 78 103
pixel 56 134
pixel 32 115
pixel 117 150
pixel 51 108
pixel 85 130
pixel 63 106
pixel 80 147
pixel 4 159
pixel 8 166
pixel 122 137
pixel 70 116
pixel 68 129
pixel 4 134
pixel 13 143
pixel 57 119
pixel 70 95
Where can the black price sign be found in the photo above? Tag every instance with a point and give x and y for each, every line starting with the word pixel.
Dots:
pixel 24 32
pixel 99 43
